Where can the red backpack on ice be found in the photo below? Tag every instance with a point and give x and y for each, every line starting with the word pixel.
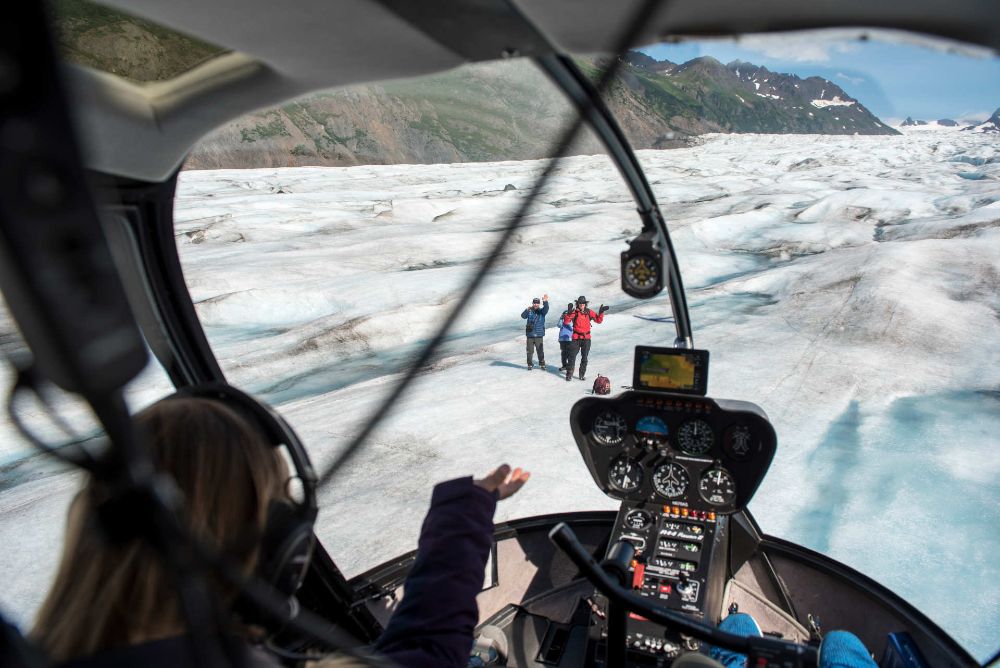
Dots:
pixel 602 385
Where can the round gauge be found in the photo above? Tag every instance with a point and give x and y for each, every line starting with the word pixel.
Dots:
pixel 642 273
pixel 717 486
pixel 670 480
pixel 738 442
pixel 625 475
pixel 610 429
pixel 695 437
pixel 651 431
pixel 638 519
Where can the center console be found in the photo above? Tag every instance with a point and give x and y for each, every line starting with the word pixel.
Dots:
pixel 680 463
pixel 679 564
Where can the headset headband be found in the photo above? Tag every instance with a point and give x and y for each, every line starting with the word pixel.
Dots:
pixel 275 429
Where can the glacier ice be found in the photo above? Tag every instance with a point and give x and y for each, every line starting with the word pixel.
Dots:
pixel 848 285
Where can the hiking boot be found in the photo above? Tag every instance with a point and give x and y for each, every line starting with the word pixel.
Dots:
pixel 581 376
pixel 569 375
pixel 562 368
pixel 541 366
pixel 530 367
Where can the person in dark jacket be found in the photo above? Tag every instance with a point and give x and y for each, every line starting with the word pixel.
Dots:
pixel 115 605
pixel 582 318
pixel 566 335
pixel 433 625
pixel 534 329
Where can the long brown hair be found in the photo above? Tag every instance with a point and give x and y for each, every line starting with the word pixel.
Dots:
pixel 107 595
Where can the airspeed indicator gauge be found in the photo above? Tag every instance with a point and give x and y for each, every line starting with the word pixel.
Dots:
pixel 610 429
pixel 695 437
pixel 717 486
pixel 625 475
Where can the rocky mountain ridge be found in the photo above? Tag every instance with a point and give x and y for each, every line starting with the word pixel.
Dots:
pixel 509 111
pixel 990 125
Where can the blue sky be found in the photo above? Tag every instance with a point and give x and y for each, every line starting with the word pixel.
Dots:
pixel 893 80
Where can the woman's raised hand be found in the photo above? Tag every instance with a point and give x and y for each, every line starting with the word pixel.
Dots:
pixel 503 481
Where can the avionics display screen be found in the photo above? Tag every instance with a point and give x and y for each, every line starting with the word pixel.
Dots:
pixel 679 370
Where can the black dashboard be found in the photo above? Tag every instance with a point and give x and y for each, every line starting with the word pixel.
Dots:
pixel 680 465
pixel 705 457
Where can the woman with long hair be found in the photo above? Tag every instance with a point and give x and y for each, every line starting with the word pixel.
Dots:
pixel 110 595
pixel 113 603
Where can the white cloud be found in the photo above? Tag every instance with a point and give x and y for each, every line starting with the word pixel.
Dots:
pixel 974 116
pixel 807 47
pixel 819 46
pixel 850 79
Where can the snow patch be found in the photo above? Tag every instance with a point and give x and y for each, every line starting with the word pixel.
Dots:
pixel 835 102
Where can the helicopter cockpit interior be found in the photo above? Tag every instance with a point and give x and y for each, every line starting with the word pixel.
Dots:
pixel 90 271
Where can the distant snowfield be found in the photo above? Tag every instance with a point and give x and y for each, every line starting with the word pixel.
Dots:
pixel 847 285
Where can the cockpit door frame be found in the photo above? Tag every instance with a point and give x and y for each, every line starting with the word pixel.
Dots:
pixel 139 224
pixel 138 221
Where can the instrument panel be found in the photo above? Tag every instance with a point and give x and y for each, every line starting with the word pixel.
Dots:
pixel 703 455
pixel 679 564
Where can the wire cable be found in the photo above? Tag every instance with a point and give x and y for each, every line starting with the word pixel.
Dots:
pixel 27 381
pixel 639 20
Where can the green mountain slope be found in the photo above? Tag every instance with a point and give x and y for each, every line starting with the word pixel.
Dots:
pixel 510 111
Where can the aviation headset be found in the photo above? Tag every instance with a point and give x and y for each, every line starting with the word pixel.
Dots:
pixel 287 542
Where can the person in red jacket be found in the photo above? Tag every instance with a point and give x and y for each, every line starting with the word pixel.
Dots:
pixel 582 317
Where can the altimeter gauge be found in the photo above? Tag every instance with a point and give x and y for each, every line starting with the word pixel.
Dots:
pixel 717 486
pixel 610 429
pixel 625 475
pixel 670 480
pixel 695 437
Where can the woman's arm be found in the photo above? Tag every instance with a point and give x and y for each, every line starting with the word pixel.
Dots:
pixel 434 622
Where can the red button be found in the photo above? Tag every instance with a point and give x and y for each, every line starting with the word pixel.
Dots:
pixel 664 589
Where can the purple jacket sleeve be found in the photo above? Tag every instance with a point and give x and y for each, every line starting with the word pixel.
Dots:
pixel 434 622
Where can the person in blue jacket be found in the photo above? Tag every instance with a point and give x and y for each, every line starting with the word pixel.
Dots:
pixel 534 329
pixel 566 335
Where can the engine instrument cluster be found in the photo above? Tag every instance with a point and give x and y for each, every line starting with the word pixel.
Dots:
pixel 696 453
pixel 679 558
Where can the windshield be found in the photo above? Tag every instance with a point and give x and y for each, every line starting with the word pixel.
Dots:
pixel 838 242
pixel 837 233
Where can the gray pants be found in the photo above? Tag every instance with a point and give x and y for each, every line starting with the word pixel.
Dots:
pixel 535 343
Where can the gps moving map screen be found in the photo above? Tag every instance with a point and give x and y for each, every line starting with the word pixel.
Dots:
pixel 671 370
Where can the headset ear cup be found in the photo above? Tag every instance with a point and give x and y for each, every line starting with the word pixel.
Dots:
pixel 286 548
